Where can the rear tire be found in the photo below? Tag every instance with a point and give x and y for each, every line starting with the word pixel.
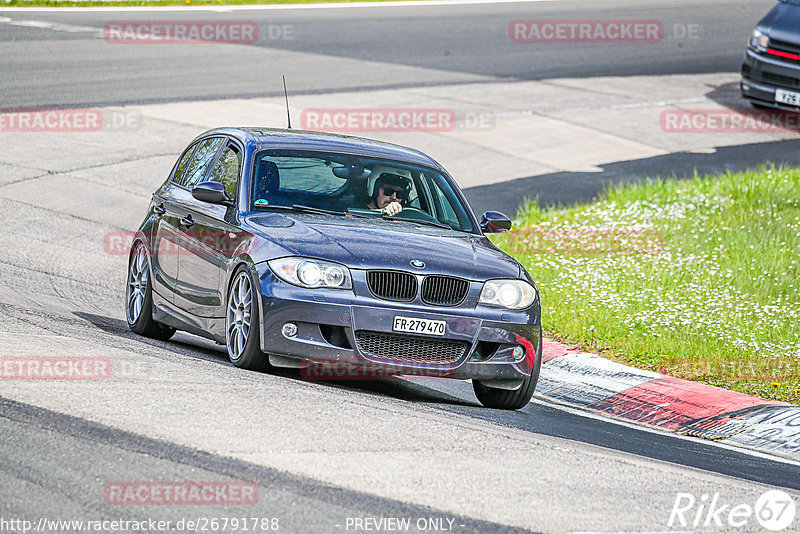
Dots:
pixel 139 297
pixel 242 325
pixel 505 399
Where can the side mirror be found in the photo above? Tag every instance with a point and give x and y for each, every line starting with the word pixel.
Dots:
pixel 211 192
pixel 493 222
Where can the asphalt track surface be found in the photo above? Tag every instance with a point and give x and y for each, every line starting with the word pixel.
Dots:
pixel 319 452
pixel 410 46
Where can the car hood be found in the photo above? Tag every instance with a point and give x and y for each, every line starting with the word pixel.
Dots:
pixel 381 244
pixel 783 23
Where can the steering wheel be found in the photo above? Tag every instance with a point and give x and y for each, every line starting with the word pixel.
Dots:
pixel 416 213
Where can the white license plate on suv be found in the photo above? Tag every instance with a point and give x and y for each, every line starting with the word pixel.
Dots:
pixel 419 326
pixel 787 97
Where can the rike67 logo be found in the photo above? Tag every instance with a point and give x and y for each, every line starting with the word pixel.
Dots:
pixel 774 510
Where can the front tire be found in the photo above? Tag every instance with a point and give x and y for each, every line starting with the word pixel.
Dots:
pixel 242 332
pixel 505 399
pixel 139 298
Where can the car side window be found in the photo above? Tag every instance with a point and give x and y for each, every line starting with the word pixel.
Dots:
pixel 226 169
pixel 181 167
pixel 451 211
pixel 203 156
pixel 449 215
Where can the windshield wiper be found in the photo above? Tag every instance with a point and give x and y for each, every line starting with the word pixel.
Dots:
pixel 418 221
pixel 321 211
pixel 302 208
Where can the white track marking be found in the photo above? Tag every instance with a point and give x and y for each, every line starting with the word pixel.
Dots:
pixel 53 26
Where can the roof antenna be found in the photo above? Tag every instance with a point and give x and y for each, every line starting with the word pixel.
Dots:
pixel 286 95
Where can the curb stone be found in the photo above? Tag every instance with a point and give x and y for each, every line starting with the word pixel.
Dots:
pixel 571 376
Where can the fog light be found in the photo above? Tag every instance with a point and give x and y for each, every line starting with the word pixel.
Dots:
pixel 289 330
pixel 518 353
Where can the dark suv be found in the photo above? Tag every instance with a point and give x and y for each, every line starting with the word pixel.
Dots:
pixel 771 68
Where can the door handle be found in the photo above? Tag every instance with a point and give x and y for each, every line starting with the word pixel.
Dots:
pixel 160 209
pixel 187 221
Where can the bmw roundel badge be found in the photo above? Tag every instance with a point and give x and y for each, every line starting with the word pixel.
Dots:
pixel 418 264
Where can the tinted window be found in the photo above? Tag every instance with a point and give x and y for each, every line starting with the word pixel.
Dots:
pixel 449 215
pixel 198 165
pixel 226 169
pixel 448 207
pixel 307 174
pixel 184 161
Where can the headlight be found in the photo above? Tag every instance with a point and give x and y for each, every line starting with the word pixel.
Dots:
pixel 759 40
pixel 305 272
pixel 511 294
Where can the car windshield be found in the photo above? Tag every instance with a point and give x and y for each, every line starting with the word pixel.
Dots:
pixel 347 184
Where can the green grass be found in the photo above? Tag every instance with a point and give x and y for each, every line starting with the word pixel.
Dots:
pixel 118 3
pixel 694 278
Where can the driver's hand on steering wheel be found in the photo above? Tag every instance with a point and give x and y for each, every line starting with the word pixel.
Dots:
pixel 392 209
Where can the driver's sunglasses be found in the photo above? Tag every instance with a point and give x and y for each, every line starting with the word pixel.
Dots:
pixel 389 191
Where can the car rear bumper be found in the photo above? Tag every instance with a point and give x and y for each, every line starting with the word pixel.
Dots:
pixel 761 76
pixel 340 335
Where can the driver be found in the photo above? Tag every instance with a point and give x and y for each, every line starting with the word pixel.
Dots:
pixel 387 193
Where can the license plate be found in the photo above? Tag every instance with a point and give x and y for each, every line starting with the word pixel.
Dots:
pixel 419 326
pixel 787 97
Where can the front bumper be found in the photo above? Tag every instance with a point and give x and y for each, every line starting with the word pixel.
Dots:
pixel 332 326
pixel 761 76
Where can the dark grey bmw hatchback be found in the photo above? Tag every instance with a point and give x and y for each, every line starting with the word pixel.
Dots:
pixel 341 256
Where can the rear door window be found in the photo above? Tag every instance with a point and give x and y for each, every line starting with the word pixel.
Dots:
pixel 198 165
pixel 227 168
pixel 181 167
